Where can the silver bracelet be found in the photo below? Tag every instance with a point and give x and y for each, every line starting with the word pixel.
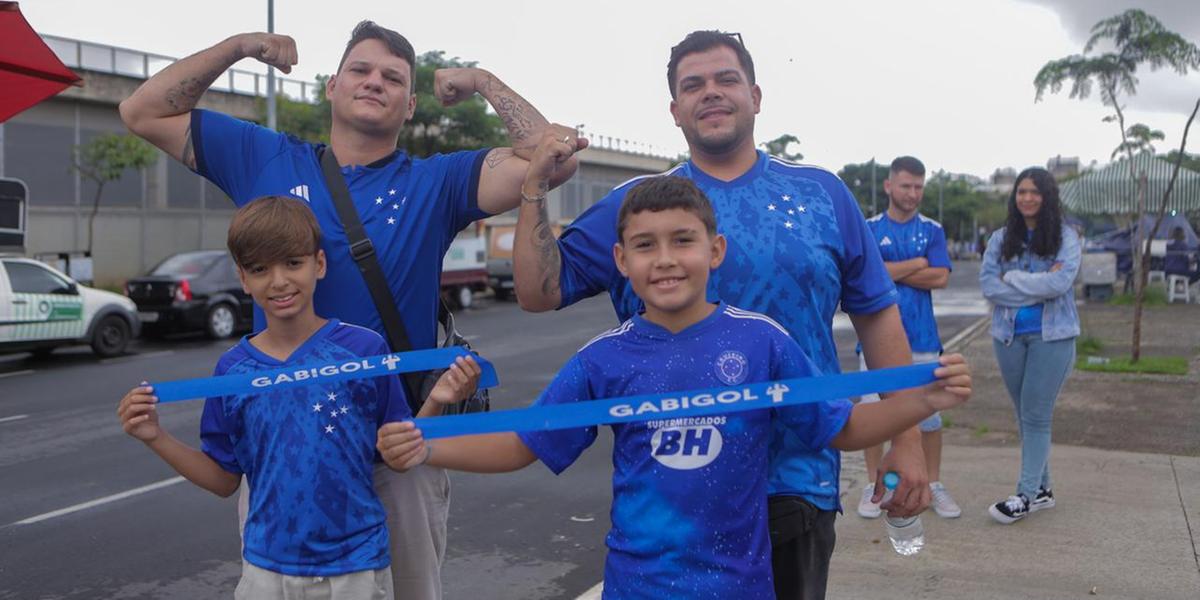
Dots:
pixel 538 198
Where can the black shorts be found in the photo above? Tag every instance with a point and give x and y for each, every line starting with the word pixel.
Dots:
pixel 802 540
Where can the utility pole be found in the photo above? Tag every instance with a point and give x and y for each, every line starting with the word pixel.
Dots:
pixel 270 69
pixel 874 207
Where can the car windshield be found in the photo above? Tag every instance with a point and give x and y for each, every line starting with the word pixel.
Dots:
pixel 190 264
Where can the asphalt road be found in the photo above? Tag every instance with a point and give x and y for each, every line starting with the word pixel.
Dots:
pixel 86 512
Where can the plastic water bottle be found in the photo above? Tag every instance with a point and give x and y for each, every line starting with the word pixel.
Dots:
pixel 907 534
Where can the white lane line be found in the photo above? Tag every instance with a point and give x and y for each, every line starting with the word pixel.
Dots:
pixel 99 501
pixel 594 593
pixel 136 356
pixel 13 418
pixel 15 373
pixel 962 336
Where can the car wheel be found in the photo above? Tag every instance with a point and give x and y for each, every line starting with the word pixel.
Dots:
pixel 220 322
pixel 465 297
pixel 110 337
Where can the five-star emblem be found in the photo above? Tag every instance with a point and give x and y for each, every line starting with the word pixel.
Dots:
pixel 391 221
pixel 379 200
pixel 391 192
pixel 329 429
pixel 801 208
pixel 786 198
pixel 317 407
pixel 770 207
pixel 789 224
pixel 332 396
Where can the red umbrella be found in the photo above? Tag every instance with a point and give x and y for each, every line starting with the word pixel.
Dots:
pixel 29 71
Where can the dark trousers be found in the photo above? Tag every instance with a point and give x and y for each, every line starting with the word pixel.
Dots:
pixel 802 540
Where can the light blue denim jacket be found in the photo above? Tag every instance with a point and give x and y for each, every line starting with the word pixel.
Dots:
pixel 1026 280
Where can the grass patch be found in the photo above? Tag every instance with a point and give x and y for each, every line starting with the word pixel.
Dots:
pixel 1154 296
pixel 1088 345
pixel 981 431
pixel 947 423
pixel 1163 365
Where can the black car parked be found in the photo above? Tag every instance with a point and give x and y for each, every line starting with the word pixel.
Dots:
pixel 192 291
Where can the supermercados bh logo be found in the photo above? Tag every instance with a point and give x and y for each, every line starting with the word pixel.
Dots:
pixel 731 367
pixel 686 444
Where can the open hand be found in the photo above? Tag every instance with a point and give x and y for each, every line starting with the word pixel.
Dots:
pixel 953 385
pixel 457 383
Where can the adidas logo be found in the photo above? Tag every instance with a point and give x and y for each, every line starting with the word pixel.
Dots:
pixel 300 191
pixel 886 241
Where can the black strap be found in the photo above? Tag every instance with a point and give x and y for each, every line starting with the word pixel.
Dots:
pixel 363 252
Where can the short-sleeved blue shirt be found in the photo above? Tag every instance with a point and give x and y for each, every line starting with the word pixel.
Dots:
pixel 797 247
pixel 918 237
pixel 411 209
pixel 689 515
pixel 308 454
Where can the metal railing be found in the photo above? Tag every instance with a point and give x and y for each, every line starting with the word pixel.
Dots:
pixel 135 63
pixel 615 144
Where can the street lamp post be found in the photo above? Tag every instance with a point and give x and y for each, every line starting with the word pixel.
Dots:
pixel 270 69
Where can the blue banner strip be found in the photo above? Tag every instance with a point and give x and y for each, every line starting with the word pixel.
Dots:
pixel 300 375
pixel 676 405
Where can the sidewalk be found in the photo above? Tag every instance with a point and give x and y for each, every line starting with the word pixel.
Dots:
pixel 1127 520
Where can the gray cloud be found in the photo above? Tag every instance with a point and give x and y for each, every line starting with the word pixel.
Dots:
pixel 1159 92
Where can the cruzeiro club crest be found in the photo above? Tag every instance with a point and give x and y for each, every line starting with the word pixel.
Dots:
pixel 732 367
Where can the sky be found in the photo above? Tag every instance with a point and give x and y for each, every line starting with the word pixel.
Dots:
pixel 950 82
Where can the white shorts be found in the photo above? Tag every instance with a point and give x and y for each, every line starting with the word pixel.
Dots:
pixel 934 421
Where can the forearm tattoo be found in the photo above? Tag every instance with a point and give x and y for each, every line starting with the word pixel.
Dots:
pixel 185 94
pixel 549 258
pixel 519 117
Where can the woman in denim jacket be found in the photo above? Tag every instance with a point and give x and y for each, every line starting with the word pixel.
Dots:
pixel 1028 275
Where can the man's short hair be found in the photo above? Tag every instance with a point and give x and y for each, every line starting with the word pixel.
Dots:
pixel 660 193
pixel 701 41
pixel 272 229
pixel 397 44
pixel 909 165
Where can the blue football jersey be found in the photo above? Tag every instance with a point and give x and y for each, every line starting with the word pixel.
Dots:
pixel 411 209
pixel 918 237
pixel 308 454
pixel 798 247
pixel 689 514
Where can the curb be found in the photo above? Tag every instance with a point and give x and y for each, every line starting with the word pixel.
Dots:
pixel 963 337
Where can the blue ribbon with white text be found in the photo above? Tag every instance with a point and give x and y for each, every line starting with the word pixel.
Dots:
pixel 678 405
pixel 301 375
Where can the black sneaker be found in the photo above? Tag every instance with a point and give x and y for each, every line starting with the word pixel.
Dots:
pixel 1011 510
pixel 1044 499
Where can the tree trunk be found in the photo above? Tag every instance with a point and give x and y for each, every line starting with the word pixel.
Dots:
pixel 92 218
pixel 1140 275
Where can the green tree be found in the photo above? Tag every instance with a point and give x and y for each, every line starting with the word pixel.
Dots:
pixel 858 178
pixel 105 159
pixel 1138 138
pixel 433 128
pixel 1137 39
pixel 778 147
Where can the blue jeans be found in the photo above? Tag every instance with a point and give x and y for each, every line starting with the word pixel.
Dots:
pixel 1034 371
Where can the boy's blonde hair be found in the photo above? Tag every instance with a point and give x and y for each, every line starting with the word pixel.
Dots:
pixel 271 229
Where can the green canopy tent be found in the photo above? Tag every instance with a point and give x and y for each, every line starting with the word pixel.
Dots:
pixel 1111 191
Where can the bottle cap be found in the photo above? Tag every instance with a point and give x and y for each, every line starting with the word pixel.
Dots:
pixel 891 479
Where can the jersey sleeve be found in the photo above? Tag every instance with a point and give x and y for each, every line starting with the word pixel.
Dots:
pixel 586 248
pixel 558 449
pixel 936 252
pixel 866 286
pixel 460 187
pixel 231 152
pixel 216 431
pixel 814 424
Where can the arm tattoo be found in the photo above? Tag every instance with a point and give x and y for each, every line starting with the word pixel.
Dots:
pixel 184 96
pixel 497 156
pixel 549 257
pixel 518 116
pixel 187 154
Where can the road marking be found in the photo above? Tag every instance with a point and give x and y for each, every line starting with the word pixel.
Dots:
pixel 137 356
pixel 99 501
pixel 965 334
pixel 13 418
pixel 15 373
pixel 594 593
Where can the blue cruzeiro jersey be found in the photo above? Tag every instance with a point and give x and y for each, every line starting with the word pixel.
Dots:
pixel 920 236
pixel 798 246
pixel 689 514
pixel 411 210
pixel 308 454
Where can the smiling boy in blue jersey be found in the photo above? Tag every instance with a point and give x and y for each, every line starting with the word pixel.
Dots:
pixel 798 248
pixel 689 515
pixel 314 522
pixel 913 248
pixel 411 207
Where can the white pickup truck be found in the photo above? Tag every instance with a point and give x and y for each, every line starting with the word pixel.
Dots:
pixel 42 309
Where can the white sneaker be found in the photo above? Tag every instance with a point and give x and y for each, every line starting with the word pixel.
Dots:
pixel 943 504
pixel 866 508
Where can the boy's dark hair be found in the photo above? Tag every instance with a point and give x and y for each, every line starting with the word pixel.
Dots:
pixel 271 229
pixel 657 194
pixel 396 44
pixel 909 165
pixel 701 41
